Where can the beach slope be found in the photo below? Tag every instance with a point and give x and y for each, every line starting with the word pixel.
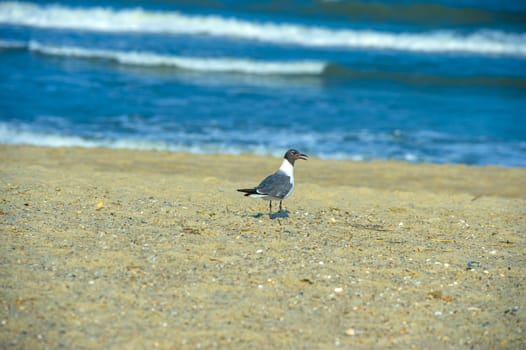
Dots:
pixel 119 249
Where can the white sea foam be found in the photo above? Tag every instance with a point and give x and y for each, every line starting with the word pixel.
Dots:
pixel 25 135
pixel 10 134
pixel 20 135
pixel 507 153
pixel 220 64
pixel 483 42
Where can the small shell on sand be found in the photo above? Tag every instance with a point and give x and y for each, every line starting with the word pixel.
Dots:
pixel 350 332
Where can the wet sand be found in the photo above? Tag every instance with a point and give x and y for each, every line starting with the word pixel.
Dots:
pixel 120 249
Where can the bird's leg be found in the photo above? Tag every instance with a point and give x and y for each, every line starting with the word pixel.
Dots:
pixel 280 208
pixel 270 209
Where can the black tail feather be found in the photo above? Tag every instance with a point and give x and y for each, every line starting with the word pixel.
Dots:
pixel 248 191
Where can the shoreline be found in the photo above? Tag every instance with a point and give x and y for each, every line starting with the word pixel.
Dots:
pixel 478 180
pixel 155 249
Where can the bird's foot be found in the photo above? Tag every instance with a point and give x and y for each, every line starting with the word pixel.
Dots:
pixel 280 214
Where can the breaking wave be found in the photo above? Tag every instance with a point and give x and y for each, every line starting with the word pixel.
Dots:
pixel 481 42
pixel 149 59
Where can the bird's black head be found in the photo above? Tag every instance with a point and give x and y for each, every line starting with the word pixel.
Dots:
pixel 293 154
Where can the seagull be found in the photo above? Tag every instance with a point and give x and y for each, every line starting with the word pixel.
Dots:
pixel 279 185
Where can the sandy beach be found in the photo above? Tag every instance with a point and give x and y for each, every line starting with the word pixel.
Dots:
pixel 122 249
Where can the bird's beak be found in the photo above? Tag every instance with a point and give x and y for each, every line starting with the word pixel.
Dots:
pixel 303 156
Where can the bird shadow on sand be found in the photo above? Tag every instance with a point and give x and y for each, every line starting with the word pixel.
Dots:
pixel 277 215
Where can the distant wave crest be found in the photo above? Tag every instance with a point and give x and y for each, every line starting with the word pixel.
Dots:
pixel 483 42
pixel 221 64
pixel 12 44
pixel 311 68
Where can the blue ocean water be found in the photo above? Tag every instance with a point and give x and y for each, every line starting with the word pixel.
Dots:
pixel 439 81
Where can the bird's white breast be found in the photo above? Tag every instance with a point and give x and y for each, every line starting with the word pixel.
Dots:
pixel 288 169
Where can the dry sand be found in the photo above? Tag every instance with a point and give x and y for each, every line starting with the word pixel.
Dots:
pixel 118 249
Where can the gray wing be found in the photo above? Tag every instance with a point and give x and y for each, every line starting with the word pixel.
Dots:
pixel 275 185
